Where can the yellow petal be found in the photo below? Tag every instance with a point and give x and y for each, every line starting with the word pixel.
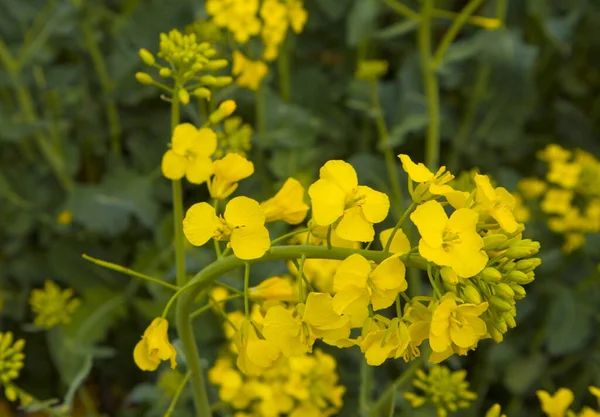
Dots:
pixel 243 212
pixel 463 220
pixel 355 227
pixel 400 244
pixel 375 352
pixel 457 199
pixel 352 302
pixel 505 218
pixel 250 242
pixel 233 168
pixel 353 272
pixel 205 142
pixel 430 219
pixel 142 358
pixel 288 204
pixel 375 205
pixel 485 192
pixel 416 172
pixel 173 166
pixel 390 275
pixel 341 173
pixel 200 224
pixel 328 202
pixel 199 170
pixel 183 138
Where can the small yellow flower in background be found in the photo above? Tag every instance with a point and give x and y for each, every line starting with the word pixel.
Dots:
pixel 521 212
pixel 243 224
pixel 237 16
pixel 218 295
pixel 573 241
pixel 446 390
pixel 337 195
pixel 52 306
pixel 357 285
pixel 227 173
pixel 400 244
pixel 531 188
pixel 65 217
pixel 250 73
pixel 556 405
pixel 287 205
pixel 371 70
pixel 274 288
pixel 495 411
pixel 390 342
pixel 453 241
pixel 155 347
pixel 190 154
pixel 588 412
pixel 595 392
pixel 497 202
pixel 557 201
pixel 228 379
pixel 11 358
pixel 278 16
pixel 255 355
pixel 564 174
pixel 554 153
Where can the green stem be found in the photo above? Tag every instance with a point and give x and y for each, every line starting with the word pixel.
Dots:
pixel 177 395
pixel 207 307
pixel 366 379
pixel 247 289
pixel 260 162
pixel 391 390
pixel 432 144
pixel 329 231
pixel 432 281
pixel 386 148
pixel 288 235
pixel 452 32
pixel 403 10
pixel 283 70
pixel 127 271
pixel 398 226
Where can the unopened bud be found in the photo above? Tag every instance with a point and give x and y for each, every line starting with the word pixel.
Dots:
pixel 449 276
pixel 184 96
pixel 523 249
pixel 147 57
pixel 209 53
pixel 223 81
pixel 202 92
pixel 491 242
pixel 519 291
pixel 509 319
pixel 225 110
pixel 495 334
pixel 509 266
pixel 197 67
pixel 520 277
pixel 471 295
pixel 500 303
pixel 165 72
pixel 216 65
pixel 501 325
pixel 503 290
pixel 490 274
pixel 208 80
pixel 508 243
pixel 528 265
pixel 144 78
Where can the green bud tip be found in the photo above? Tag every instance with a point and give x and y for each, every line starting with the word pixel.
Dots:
pixel 144 78
pixel 184 96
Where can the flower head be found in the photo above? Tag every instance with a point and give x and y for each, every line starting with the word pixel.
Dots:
pixel 190 154
pixel 235 137
pixel 237 16
pixel 250 73
pixel 531 187
pixel 243 224
pixel 555 405
pixel 11 357
pixel 288 204
pixel 390 342
pixel 155 347
pixel 498 203
pixel 453 241
pixel 274 288
pixel 255 355
pixel 557 201
pixel 52 306
pixel 337 196
pixel 565 174
pixel 284 329
pixel 322 319
pixel 431 184
pixel 228 171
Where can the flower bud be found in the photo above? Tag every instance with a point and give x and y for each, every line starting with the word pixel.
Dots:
pixel 508 243
pixel 202 92
pixel 528 265
pixel 165 72
pixel 491 242
pixel 197 67
pixel 500 303
pixel 509 319
pixel 449 276
pixel 519 291
pixel 509 266
pixel 490 274
pixel 143 78
pixel 209 53
pixel 501 325
pixel 495 334
pixel 216 65
pixel 520 277
pixel 147 57
pixel 503 290
pixel 223 81
pixel 184 96
pixel 208 80
pixel 523 249
pixel 449 286
pixel 471 295
pixel 225 110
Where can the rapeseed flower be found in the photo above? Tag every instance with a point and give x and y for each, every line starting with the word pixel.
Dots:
pixel 497 203
pixel 337 196
pixel 228 171
pixel 388 342
pixel 277 17
pixel 11 358
pixel 556 405
pixel 155 347
pixel 554 153
pixel 453 241
pixel 190 154
pixel 235 137
pixel 284 329
pixel 400 243
pixel 565 174
pixel 287 205
pixel 255 355
pixel 531 187
pixel 250 73
pixel 52 306
pixel 274 289
pixel 495 411
pixel 242 224
pixel 237 16
pixel 322 319
pixel 557 201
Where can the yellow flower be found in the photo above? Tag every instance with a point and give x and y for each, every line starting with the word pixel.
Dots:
pixel 573 241
pixel 228 171
pixel 284 329
pixel 495 411
pixel 190 154
pixel 243 224
pixel 52 306
pixel 65 217
pixel 274 289
pixel 532 187
pixel 453 241
pixel 400 244
pixel 588 412
pixel 155 347
pixel 323 320
pixel 11 357
pixel 555 405
pixel 456 324
pixel 277 17
pixel 337 195
pixel 497 203
pixel 554 153
pixel 356 286
pixel 250 73
pixel 287 205
pixel 228 379
pixel 255 355
pixel 564 174
pixel 557 201
pixel 390 342
pixel 595 392
pixel 431 184
pixel 237 16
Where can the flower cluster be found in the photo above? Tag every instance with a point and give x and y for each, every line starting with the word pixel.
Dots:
pixel 446 390
pixel 557 405
pixel 11 363
pixel 52 306
pixel 155 347
pixel 570 194
pixel 278 16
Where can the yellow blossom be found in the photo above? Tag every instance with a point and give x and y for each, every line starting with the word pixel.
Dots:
pixel 243 224
pixel 555 405
pixel 255 355
pixel 250 73
pixel 228 379
pixel 274 288
pixel 155 347
pixel 190 154
pixel 573 241
pixel 228 171
pixel 287 205
pixel 453 241
pixel 400 244
pixel 284 329
pixel 52 306
pixel 564 174
pixel 277 17
pixel 237 16
pixel 337 196
pixel 554 153
pixel 557 201
pixel 324 322
pixel 531 188
pixel 356 286
pixel 498 203
pixel 11 357
pixel 390 342
pixel 495 411
pixel 456 324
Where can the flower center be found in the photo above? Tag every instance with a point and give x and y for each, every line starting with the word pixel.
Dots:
pixel 450 238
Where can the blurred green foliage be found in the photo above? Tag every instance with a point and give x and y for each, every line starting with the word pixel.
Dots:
pixel 79 133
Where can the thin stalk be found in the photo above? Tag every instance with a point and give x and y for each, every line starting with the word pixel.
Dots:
pixel 259 156
pixel 288 235
pixel 247 289
pixel 403 9
pixel 398 226
pixel 432 144
pixel 177 395
pixel 207 307
pixel 391 390
pixel 366 386
pixel 329 229
pixel 127 271
pixel 283 71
